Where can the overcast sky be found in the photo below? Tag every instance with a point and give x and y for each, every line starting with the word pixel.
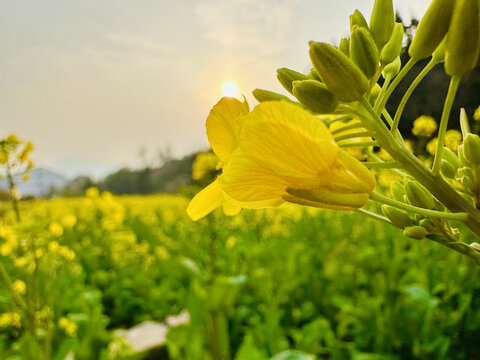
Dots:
pixel 93 82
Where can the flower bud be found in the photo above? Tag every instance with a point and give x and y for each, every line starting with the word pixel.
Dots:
pixel 461 156
pixel 464 123
pixel 382 21
pixel 357 19
pixel 450 157
pixel 265 95
pixel 315 96
pixel 439 54
pixel 475 246
pixel 468 183
pixel 448 170
pixel 428 224
pixel 287 76
pixel 344 46
pixel 393 48
pixel 398 217
pixel 416 232
pixel 471 148
pixel 314 75
pixel 398 190
pixel 418 195
pixel 374 93
pixel 463 41
pixel 466 171
pixel 392 69
pixel 363 51
pixel 342 77
pixel 432 29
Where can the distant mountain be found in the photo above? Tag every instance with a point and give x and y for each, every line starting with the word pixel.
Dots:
pixel 40 183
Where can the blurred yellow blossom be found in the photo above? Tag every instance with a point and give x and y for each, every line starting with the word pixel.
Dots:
pixel 69 221
pixel 204 163
pixel 162 253
pixel 10 319
pixel 92 193
pixel 69 326
pixel 476 114
pixel 453 138
pixel 20 287
pixel 66 252
pixel 55 229
pixel 424 126
pixel 231 241
pixel 9 242
pixel 53 246
pixel 432 146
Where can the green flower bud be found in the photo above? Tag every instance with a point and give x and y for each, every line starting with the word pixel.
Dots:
pixel 315 96
pixel 439 53
pixel 287 76
pixel 463 41
pixel 428 224
pixel 448 170
pixel 468 183
pixel 461 156
pixel 416 232
pixel 393 48
pixel 344 46
pixel 265 95
pixel 466 171
pixel 357 19
pixel 374 93
pixel 392 69
pixel 314 75
pixel 464 123
pixel 475 246
pixel 342 77
pixel 471 148
pixel 398 190
pixel 418 195
pixel 432 29
pixel 398 217
pixel 450 157
pixel 363 51
pixel 382 21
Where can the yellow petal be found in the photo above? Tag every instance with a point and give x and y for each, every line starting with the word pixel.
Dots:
pixel 206 201
pixel 251 182
pixel 230 209
pixel 223 125
pixel 288 138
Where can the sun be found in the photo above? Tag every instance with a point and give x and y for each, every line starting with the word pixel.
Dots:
pixel 230 89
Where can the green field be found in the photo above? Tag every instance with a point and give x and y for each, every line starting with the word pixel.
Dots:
pixel 333 285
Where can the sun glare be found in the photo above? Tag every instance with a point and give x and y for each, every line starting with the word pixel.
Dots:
pixel 230 89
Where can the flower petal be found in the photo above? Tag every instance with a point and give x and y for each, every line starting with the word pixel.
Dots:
pixel 223 125
pixel 206 201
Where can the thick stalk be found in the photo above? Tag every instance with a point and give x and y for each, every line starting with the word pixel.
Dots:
pixel 410 163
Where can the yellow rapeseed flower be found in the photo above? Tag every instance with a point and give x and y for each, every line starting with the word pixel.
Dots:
pixel 203 164
pixel 55 229
pixel 20 287
pixel 432 146
pixel 424 126
pixel 286 154
pixel 68 326
pixel 476 114
pixel 10 319
pixel 223 125
pixel 453 138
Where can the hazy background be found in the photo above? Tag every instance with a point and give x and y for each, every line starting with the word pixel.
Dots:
pixel 93 82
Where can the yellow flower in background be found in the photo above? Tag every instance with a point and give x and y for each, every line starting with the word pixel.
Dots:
pixel 453 138
pixel 69 221
pixel 92 193
pixel 432 146
pixel 69 326
pixel 10 319
pixel 55 229
pixel 203 164
pixel 286 154
pixel 20 287
pixel 476 114
pixel 424 126
pixel 356 152
pixel 223 124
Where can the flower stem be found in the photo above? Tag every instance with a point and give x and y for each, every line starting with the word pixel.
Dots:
pixel 374 215
pixel 381 164
pixel 353 135
pixel 347 127
pixel 359 143
pixel 452 91
pixel 418 79
pixel 461 216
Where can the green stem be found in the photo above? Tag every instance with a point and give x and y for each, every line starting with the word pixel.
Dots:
pixel 381 164
pixel 411 88
pixel 414 209
pixel 358 143
pixel 381 95
pixel 411 164
pixel 338 118
pixel 353 135
pixel 347 127
pixel 373 215
pixel 16 297
pixel 452 91
pixel 380 103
